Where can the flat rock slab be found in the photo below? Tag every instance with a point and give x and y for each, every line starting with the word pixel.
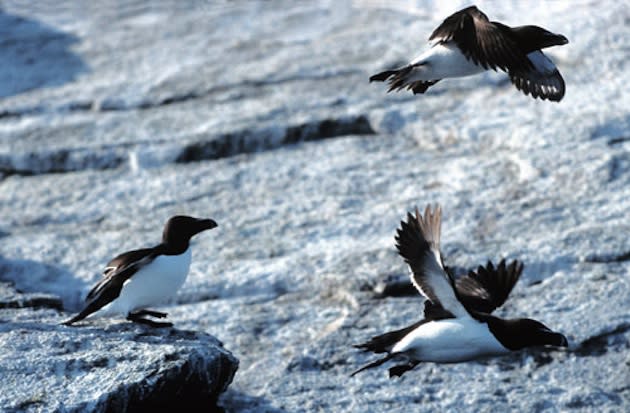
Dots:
pixel 104 366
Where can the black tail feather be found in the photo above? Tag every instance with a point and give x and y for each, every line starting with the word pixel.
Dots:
pixel 383 76
pixel 384 342
pixel 400 80
pixel 74 319
pixel 92 307
pixel 375 363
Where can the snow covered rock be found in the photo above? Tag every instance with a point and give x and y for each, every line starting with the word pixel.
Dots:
pixel 102 366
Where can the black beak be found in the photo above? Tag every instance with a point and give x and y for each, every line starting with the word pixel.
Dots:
pixel 554 39
pixel 558 340
pixel 563 342
pixel 551 338
pixel 201 225
pixel 207 224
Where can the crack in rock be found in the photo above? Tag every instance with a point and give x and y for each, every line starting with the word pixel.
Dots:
pixel 12 298
pixel 598 344
pixel 618 140
pixel 60 161
pixel 608 258
pixel 399 285
pixel 248 141
pixel 225 145
pixel 113 104
pixel 33 301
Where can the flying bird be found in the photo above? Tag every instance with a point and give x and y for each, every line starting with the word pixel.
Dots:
pixel 135 280
pixel 467 43
pixel 457 324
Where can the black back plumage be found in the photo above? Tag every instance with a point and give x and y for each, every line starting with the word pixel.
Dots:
pixel 488 44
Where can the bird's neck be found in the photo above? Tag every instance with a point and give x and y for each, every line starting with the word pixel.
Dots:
pixel 173 248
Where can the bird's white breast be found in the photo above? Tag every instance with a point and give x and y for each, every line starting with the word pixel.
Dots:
pixel 154 283
pixel 450 340
pixel 441 61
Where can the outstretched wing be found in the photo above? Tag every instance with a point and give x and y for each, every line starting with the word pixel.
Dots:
pixel 543 80
pixel 418 242
pixel 488 287
pixel 486 43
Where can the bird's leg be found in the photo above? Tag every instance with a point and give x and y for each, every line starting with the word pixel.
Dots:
pixel 151 313
pixel 401 369
pixel 137 318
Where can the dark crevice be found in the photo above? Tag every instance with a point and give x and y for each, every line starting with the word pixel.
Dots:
pixel 608 258
pixel 215 147
pixel 116 105
pixel 617 141
pixel 394 286
pixel 78 106
pixel 59 161
pixel 14 298
pixel 33 301
pixel 598 345
pixel 248 141
pixel 399 285
pixel 395 289
pixel 6 113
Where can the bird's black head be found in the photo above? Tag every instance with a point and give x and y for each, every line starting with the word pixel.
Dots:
pixel 524 332
pixel 535 38
pixel 180 229
pixel 538 334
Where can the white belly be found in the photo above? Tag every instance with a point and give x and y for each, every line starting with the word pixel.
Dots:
pixel 442 61
pixel 154 284
pixel 449 341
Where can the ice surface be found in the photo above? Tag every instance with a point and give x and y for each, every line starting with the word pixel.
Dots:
pixel 196 108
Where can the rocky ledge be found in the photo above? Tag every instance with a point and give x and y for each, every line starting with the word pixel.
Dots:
pixel 103 366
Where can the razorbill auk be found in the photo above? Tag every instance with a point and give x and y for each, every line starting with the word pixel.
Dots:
pixel 467 43
pixel 138 279
pixel 457 324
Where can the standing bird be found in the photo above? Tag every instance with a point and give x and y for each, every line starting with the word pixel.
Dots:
pixel 457 324
pixel 137 279
pixel 467 43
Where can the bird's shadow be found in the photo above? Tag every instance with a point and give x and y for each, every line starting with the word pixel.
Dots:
pixel 35 55
pixel 29 276
pixel 236 401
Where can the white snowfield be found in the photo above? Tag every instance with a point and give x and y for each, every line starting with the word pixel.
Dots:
pixel 260 115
